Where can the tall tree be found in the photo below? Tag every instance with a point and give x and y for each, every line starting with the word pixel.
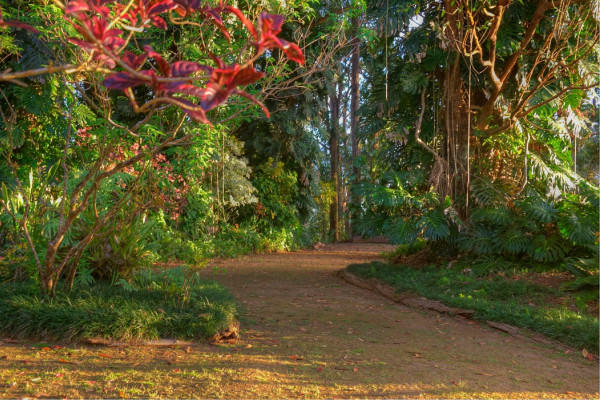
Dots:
pixel 334 151
pixel 354 119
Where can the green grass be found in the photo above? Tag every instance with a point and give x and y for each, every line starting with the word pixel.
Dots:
pixel 497 299
pixel 112 312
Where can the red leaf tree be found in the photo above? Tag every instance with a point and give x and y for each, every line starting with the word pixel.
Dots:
pixel 106 31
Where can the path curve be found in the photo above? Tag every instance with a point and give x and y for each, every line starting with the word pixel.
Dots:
pixel 355 343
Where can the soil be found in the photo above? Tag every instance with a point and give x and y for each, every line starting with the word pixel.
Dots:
pixel 306 333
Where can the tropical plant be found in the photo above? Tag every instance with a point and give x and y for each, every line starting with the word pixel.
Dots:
pixel 98 54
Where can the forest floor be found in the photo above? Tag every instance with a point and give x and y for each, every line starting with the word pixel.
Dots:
pixel 308 334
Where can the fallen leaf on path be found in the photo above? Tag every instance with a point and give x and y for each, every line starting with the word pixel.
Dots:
pixel 554 366
pixel 59 375
pixel 355 369
pixel 62 360
pixel 567 351
pixel 483 373
pixel 303 329
pixel 248 346
pixel 319 369
pixel 36 379
pixel 177 370
pixel 104 355
pixel 585 353
pixel 46 348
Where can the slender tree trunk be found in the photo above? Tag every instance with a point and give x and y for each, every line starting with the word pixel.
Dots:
pixel 342 142
pixel 334 143
pixel 355 95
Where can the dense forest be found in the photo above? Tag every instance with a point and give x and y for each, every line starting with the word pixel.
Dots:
pixel 144 143
pixel 472 125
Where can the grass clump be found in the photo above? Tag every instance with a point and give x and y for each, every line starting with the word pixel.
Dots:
pixel 404 250
pixel 495 298
pixel 117 312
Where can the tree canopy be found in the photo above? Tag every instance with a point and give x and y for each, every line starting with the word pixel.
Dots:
pixel 132 132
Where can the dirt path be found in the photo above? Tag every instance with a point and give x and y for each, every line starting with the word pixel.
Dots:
pixel 308 334
pixel 355 343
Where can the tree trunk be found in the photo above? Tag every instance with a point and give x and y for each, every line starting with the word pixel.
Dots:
pixel 334 143
pixel 355 93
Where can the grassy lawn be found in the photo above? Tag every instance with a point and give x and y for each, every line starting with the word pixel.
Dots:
pixel 115 312
pixel 495 298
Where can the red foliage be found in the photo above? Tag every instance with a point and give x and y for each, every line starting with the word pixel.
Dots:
pixel 99 39
pixel 78 6
pixel 174 82
pixel 270 27
pixel 149 11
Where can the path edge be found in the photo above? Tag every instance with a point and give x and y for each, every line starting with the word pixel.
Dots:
pixel 415 301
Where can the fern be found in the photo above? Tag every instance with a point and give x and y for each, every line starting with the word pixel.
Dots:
pixel 35 99
pixel 499 215
pixel 513 241
pixel 82 114
pixel 480 241
pixel 577 229
pixel 546 249
pixel 543 211
pixel 413 81
pixel 387 197
pixel 486 193
pixel 401 231
pixel 14 138
pixel 434 225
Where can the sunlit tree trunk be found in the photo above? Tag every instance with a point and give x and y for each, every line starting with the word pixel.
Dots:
pixel 334 143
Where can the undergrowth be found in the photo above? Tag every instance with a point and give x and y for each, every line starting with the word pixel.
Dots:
pixel 496 298
pixel 115 312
